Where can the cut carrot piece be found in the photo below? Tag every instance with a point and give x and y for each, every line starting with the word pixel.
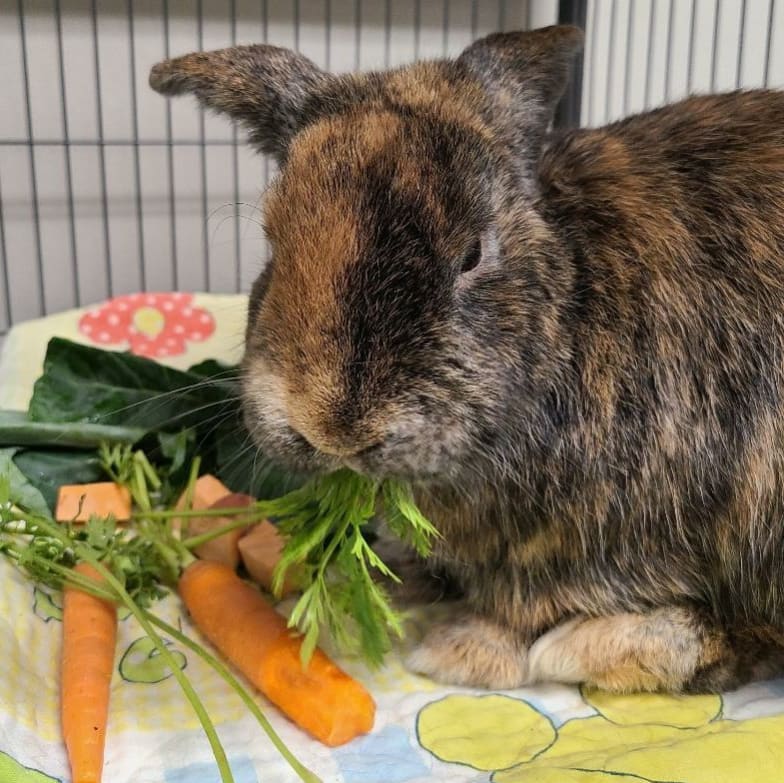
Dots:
pixel 87 663
pixel 206 491
pixel 223 549
pixel 260 551
pixel 77 502
pixel 322 699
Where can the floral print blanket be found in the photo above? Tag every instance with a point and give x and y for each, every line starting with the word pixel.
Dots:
pixel 424 731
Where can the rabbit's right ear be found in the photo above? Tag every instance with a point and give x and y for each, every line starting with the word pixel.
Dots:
pixel 265 88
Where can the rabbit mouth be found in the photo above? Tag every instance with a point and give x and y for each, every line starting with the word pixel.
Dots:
pixel 409 442
pixel 398 458
pixel 395 458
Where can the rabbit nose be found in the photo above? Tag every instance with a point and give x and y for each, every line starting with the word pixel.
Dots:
pixel 344 448
pixel 335 427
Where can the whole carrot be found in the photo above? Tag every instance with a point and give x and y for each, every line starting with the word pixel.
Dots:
pixel 89 641
pixel 322 699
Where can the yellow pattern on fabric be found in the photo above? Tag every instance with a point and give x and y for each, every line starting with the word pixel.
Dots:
pixel 634 738
pixel 484 732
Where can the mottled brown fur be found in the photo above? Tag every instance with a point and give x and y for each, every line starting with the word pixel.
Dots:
pixel 571 343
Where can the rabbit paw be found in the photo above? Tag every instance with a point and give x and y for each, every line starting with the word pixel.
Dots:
pixel 474 652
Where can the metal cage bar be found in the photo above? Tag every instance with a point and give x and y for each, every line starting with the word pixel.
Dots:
pixel 569 109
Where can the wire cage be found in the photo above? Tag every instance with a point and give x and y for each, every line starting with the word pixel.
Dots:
pixel 106 188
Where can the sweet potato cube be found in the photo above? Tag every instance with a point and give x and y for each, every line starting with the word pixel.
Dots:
pixel 206 491
pixel 260 552
pixel 224 548
pixel 78 502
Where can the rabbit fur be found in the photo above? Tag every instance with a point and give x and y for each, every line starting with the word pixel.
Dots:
pixel 571 342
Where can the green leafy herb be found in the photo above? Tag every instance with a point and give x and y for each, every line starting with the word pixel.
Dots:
pixel 81 383
pixel 404 519
pixel 325 523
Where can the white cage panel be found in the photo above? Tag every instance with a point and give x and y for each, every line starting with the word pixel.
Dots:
pixel 644 53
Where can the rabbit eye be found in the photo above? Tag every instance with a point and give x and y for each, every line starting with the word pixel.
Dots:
pixel 472 257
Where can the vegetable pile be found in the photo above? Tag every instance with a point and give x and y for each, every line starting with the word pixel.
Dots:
pixel 179 469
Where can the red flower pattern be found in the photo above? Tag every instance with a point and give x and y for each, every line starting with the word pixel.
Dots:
pixel 153 325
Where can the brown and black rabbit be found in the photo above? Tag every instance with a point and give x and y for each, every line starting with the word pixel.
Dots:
pixel 573 344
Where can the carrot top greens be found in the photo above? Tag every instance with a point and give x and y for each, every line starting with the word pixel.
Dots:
pixel 324 524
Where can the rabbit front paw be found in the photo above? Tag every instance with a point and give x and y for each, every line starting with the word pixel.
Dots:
pixel 474 652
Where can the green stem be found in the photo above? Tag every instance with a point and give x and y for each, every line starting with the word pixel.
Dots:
pixel 185 555
pixel 326 560
pixel 190 490
pixel 86 554
pixel 85 584
pixel 304 773
pixel 166 552
pixel 74 578
pixel 139 487
pixel 258 510
pixel 203 538
pixel 149 471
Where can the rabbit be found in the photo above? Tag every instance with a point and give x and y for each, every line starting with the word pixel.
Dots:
pixel 571 342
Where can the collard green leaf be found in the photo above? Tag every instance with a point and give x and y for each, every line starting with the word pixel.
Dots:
pixel 183 413
pixel 210 368
pixel 81 383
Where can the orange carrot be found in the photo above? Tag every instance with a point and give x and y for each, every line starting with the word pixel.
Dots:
pixel 78 501
pixel 89 641
pixel 235 617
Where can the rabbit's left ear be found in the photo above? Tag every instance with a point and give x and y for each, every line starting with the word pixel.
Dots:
pixel 266 88
pixel 524 75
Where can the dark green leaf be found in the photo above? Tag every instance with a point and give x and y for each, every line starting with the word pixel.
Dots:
pixel 81 383
pixel 210 368
pixel 177 451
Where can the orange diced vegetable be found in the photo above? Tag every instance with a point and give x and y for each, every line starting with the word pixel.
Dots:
pixel 77 502
pixel 236 618
pixel 224 548
pixel 206 491
pixel 260 551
